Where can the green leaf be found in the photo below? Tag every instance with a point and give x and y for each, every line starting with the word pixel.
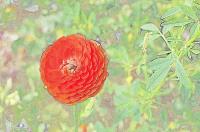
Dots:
pixel 150 27
pixel 136 85
pixel 183 77
pixel 195 51
pixel 177 23
pixel 171 12
pixel 157 63
pixel 164 52
pixel 169 25
pixel 189 12
pixel 154 37
pixel 167 28
pixel 160 73
pixel 194 36
pixel 193 29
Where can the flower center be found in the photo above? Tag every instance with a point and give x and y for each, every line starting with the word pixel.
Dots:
pixel 69 66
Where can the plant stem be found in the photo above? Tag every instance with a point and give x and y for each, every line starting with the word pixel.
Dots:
pixel 76 117
pixel 168 45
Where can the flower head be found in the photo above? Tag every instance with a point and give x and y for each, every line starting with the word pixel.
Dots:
pixel 73 68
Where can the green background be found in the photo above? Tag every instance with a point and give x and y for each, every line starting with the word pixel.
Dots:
pixel 153 48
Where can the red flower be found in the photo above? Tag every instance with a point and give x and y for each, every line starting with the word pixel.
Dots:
pixel 73 68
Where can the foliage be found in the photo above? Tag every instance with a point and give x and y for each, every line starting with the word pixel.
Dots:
pixel 153 49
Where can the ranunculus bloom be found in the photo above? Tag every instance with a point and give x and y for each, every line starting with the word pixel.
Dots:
pixel 73 68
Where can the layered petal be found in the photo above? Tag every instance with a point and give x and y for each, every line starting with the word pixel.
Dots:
pixel 73 68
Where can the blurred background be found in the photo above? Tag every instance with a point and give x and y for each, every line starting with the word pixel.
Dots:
pixel 154 74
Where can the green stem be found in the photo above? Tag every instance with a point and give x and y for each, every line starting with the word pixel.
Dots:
pixel 168 45
pixel 76 117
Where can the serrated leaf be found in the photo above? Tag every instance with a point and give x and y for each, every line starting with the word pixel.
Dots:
pixel 160 73
pixel 171 12
pixel 182 76
pixel 150 27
